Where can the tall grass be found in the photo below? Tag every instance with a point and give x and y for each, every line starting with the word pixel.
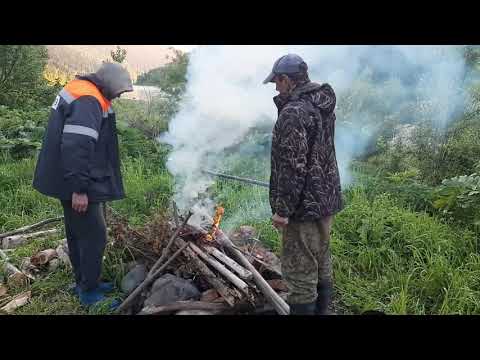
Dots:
pixel 402 262
pixel 386 256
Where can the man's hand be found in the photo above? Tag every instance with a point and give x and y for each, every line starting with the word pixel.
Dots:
pixel 279 222
pixel 79 202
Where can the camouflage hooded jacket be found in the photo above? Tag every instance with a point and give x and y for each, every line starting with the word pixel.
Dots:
pixel 304 181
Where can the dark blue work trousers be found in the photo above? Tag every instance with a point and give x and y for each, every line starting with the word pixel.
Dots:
pixel 86 237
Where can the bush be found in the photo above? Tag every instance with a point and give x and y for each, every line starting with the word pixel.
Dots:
pixel 151 117
pixel 134 145
pixel 21 71
pixel 21 131
pixel 440 155
pixel 459 199
pixel 171 78
pixel 404 187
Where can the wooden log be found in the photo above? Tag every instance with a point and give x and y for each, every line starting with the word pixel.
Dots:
pixel 240 270
pixel 227 274
pixel 209 295
pixel 14 241
pixel 184 305
pixel 278 303
pixel 175 214
pixel 268 267
pixel 30 227
pixel 43 257
pixel 15 276
pixel 209 276
pixel 3 290
pixel 169 244
pixel 150 278
pixel 17 302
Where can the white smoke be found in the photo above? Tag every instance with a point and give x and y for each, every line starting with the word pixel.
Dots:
pixel 225 98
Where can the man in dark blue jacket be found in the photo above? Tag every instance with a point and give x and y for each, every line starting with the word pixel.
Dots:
pixel 79 164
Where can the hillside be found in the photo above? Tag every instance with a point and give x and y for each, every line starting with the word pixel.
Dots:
pixel 73 59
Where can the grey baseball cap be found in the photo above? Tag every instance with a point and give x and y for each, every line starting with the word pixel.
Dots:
pixel 287 64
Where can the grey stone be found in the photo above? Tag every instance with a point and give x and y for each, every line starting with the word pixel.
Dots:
pixel 131 265
pixel 26 265
pixel 53 264
pixel 170 288
pixel 133 278
pixel 62 254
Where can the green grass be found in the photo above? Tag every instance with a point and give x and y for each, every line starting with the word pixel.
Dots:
pixel 148 188
pixel 20 203
pixel 392 259
pixel 387 254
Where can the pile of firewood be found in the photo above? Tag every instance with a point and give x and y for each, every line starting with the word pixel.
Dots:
pixel 16 238
pixel 234 277
pixel 30 266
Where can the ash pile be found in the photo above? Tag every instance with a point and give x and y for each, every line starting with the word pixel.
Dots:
pixel 186 267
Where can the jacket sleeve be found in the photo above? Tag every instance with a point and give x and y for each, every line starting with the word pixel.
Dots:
pixel 291 162
pixel 79 138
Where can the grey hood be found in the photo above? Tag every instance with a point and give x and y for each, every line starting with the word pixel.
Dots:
pixel 321 96
pixel 112 79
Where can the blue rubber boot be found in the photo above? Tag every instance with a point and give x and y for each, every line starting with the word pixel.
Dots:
pixel 104 287
pixel 92 297
pixel 73 289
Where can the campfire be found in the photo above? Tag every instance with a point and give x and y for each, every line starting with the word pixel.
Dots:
pixel 211 236
pixel 198 269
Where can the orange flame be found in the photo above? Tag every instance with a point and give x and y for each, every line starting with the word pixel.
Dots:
pixel 216 223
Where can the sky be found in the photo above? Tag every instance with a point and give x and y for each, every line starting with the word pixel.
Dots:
pixel 185 48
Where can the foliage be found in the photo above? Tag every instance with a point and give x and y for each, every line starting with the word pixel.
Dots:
pixel 118 55
pixel 459 198
pixel 472 56
pixel 56 77
pixel 171 78
pixel 21 131
pixel 150 117
pixel 21 75
pixel 441 155
pixel 391 259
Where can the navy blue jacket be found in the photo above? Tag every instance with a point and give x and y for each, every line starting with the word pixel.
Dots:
pixel 80 148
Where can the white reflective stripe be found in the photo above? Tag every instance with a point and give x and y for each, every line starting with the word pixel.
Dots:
pixel 81 130
pixel 105 114
pixel 110 110
pixel 66 96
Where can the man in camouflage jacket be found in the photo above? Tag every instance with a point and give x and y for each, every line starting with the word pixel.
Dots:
pixel 305 190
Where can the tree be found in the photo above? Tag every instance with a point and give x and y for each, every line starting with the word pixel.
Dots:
pixel 171 78
pixel 119 55
pixel 21 73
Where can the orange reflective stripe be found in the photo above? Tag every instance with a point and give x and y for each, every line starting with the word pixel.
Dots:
pixel 78 88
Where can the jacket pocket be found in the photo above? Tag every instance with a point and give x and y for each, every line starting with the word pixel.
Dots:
pixel 101 174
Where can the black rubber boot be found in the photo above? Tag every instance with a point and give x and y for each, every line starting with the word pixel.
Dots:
pixel 302 309
pixel 324 290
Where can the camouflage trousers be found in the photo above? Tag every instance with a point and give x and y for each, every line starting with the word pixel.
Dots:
pixel 306 258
